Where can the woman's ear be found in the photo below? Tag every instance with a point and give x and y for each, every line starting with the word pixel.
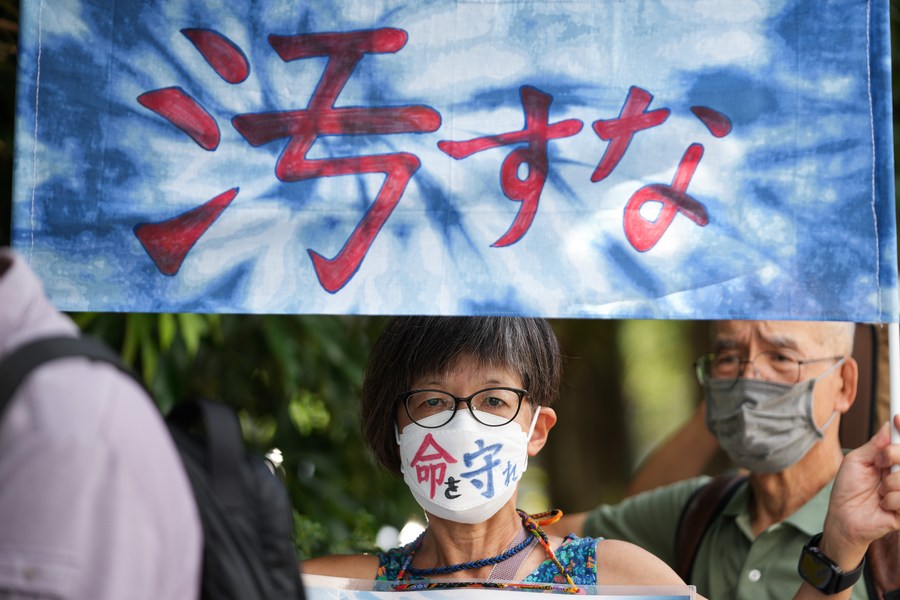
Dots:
pixel 546 419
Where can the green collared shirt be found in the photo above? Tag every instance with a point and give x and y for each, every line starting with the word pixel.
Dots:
pixel 730 563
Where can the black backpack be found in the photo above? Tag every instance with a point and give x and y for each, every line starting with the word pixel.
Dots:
pixel 248 551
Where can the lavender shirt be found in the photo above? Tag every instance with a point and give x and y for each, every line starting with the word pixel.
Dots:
pixel 94 501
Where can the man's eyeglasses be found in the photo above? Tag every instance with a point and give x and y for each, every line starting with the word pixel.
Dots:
pixel 772 365
pixel 492 406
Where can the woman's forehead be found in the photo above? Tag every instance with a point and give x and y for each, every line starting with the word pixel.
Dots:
pixel 469 367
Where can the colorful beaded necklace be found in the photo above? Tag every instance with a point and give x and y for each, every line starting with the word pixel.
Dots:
pixel 532 524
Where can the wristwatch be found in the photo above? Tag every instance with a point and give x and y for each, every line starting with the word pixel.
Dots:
pixel 823 573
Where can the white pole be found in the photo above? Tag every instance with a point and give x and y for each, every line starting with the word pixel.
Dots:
pixel 894 360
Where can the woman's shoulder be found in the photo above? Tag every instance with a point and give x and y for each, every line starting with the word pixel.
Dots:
pixel 390 562
pixel 576 547
pixel 598 561
pixel 624 563
pixel 353 566
pixel 576 555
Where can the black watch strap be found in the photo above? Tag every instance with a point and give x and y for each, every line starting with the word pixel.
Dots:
pixel 823 573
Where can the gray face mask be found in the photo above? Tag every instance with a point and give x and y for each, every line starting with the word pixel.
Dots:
pixel 762 425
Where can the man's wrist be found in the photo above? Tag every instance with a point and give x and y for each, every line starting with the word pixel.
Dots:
pixel 823 573
pixel 845 556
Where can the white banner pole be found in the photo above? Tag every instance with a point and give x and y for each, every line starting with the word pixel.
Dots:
pixel 894 362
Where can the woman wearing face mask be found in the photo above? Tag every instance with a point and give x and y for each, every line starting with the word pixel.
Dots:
pixel 457 405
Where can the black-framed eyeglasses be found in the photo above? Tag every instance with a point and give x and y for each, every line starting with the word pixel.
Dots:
pixel 779 366
pixel 493 407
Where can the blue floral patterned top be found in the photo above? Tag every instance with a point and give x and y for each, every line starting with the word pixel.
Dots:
pixel 577 555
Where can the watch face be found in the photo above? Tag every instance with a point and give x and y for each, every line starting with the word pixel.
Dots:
pixel 814 571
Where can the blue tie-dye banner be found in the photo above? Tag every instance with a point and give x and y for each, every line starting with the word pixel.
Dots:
pixel 564 158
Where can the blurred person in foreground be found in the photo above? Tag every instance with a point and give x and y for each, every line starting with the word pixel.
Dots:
pixel 462 464
pixel 775 393
pixel 94 500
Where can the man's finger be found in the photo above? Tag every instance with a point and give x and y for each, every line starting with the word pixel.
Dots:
pixel 869 451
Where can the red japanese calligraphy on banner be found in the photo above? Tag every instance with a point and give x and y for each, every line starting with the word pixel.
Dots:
pixel 403 157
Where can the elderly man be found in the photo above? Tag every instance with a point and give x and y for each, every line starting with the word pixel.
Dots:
pixel 775 394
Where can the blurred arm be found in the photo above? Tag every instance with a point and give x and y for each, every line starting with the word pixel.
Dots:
pixel 569 523
pixel 685 454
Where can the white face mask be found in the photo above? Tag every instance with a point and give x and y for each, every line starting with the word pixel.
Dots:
pixel 464 471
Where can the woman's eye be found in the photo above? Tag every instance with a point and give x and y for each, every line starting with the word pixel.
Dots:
pixel 494 402
pixel 427 402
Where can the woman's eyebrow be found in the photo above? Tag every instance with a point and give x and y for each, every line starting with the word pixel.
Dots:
pixel 490 381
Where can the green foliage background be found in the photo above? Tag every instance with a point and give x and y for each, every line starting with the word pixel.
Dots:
pixel 295 381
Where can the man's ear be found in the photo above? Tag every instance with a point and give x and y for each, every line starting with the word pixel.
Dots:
pixel 849 377
pixel 546 419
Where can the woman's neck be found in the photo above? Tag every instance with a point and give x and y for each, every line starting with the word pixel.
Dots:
pixel 449 543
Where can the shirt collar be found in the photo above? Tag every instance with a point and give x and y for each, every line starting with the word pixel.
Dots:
pixel 809 518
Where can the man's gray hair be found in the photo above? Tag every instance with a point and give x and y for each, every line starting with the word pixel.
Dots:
pixel 839 335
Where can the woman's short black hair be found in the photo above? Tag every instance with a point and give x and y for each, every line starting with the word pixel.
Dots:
pixel 411 348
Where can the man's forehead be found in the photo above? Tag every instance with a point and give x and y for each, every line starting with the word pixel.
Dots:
pixel 782 333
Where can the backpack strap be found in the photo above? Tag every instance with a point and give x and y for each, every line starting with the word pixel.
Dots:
pixel 24 359
pixel 222 442
pixel 882 571
pixel 701 509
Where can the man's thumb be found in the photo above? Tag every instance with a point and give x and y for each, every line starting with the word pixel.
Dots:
pixel 879 442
